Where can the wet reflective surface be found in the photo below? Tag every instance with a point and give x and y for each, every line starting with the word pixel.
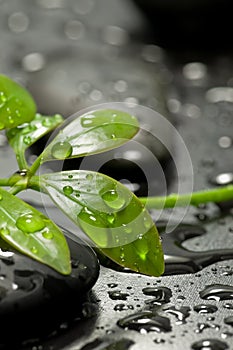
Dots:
pixel 97 52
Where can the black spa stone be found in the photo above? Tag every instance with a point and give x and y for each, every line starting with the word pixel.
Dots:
pixel 35 298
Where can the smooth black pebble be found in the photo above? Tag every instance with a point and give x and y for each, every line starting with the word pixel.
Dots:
pixel 34 298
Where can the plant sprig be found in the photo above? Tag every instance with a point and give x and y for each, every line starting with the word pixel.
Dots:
pixel 116 221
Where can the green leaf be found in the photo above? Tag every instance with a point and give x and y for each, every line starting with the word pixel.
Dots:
pixel 92 133
pixel 16 104
pixel 23 136
pixel 32 233
pixel 111 216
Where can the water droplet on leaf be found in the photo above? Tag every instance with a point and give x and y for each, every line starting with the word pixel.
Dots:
pixel 68 190
pixel 30 223
pixel 62 150
pixel 47 234
pixel 112 199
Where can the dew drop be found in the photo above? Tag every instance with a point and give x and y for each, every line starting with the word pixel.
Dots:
pixel 180 313
pixel 217 292
pixel 88 120
pixel 4 231
pixel 223 179
pixel 47 122
pixel 74 29
pixel 33 62
pixel 30 223
pixel 229 320
pixel 225 142
pixel 205 309
pixel 162 295
pixel 112 199
pixel 27 140
pixel 47 234
pixel 89 177
pixel 62 150
pixel 123 307
pixel 117 295
pixel 3 97
pixel 201 326
pixel 112 285
pixel 18 22
pixel 68 190
pixel 111 218
pixel 209 344
pixel 144 322
pixel 34 250
pixel 0 197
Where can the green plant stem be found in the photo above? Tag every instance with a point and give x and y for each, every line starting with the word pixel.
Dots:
pixel 21 160
pixel 4 182
pixel 36 164
pixel 16 189
pixel 215 195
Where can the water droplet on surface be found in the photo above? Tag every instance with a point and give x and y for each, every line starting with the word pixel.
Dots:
pixel 180 313
pixel 152 53
pixel 123 307
pixel 226 334
pixel 18 22
pixel 62 150
pixel 201 326
pixel 223 179
pixel 117 295
pixel 144 322
pixel 115 35
pixel 191 111
pixel 74 29
pixel 225 141
pixel 209 344
pixel 30 223
pixel 68 190
pixel 96 95
pixel 112 285
pixel 162 295
pixel 120 86
pixel 217 292
pixel 33 62
pixel 220 94
pixel 229 320
pixel 194 71
pixel 228 306
pixel 205 308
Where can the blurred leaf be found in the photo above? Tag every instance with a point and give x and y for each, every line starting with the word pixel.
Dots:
pixel 92 133
pixel 32 233
pixel 22 137
pixel 16 104
pixel 111 216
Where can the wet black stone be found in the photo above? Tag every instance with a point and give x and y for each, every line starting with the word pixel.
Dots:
pixel 34 298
